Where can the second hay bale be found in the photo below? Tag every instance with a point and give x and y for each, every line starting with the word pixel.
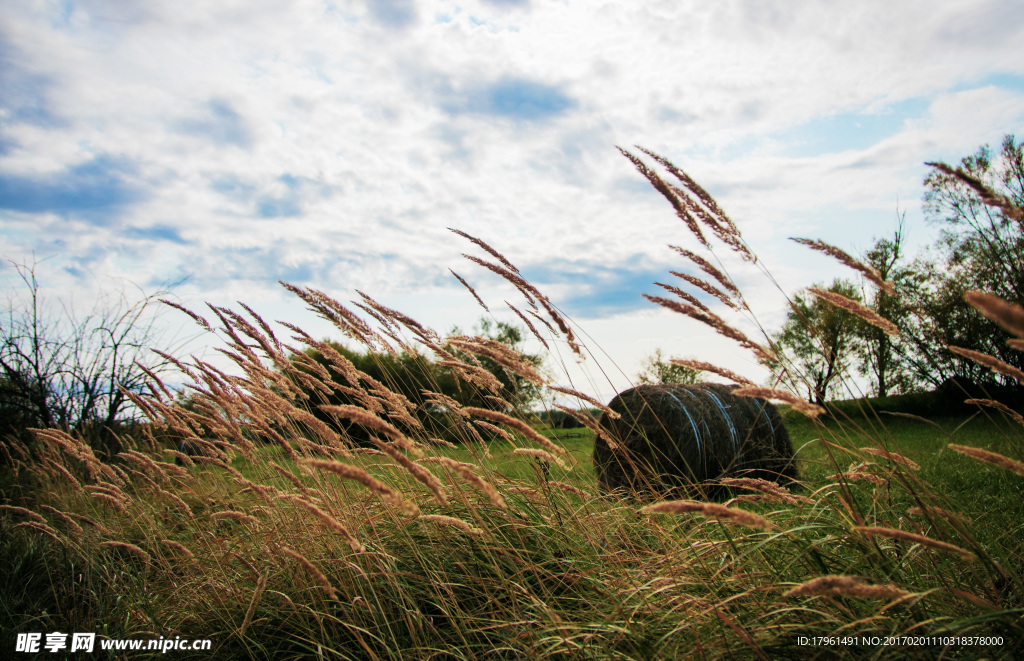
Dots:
pixel 680 439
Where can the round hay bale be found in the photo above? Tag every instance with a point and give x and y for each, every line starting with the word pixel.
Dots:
pixel 680 439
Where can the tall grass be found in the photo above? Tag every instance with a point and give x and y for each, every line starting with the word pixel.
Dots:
pixel 289 540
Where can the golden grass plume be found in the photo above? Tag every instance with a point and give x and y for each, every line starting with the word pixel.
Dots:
pixel 720 512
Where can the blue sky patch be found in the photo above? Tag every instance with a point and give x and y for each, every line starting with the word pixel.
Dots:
pixel 287 205
pixel 221 124
pixel 603 291
pixel 231 186
pixel 514 98
pixel 157 233
pixel 25 94
pixel 397 14
pixel 100 184
pixel 848 131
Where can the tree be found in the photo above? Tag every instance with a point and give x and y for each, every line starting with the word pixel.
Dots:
pixel 655 369
pixel 981 246
pixel 67 371
pixel 516 389
pixel 410 374
pixel 883 358
pixel 817 340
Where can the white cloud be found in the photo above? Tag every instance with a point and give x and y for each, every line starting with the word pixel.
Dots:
pixel 332 142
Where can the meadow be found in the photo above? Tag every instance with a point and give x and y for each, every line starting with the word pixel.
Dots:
pixel 288 538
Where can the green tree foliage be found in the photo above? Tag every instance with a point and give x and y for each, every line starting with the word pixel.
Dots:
pixel 515 389
pixel 414 376
pixel 886 360
pixel 817 341
pixel 980 247
pixel 656 369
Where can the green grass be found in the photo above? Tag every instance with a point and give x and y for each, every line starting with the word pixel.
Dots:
pixel 556 575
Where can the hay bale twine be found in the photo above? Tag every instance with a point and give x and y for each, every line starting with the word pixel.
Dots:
pixel 677 440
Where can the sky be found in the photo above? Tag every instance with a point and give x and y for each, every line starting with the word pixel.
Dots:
pixel 224 146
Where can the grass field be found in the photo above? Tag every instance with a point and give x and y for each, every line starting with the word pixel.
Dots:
pixel 287 541
pixel 555 573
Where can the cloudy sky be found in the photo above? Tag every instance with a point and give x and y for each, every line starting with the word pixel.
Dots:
pixel 229 145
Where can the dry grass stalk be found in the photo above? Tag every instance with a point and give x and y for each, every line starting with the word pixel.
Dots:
pixel 869 272
pixel 706 287
pixel 710 269
pixel 669 194
pixel 419 473
pixel 529 324
pixel 332 523
pixel 702 366
pixel 893 457
pixel 990 458
pixel 686 296
pixel 846 586
pixel 103 530
pixel 542 320
pixel 465 471
pixel 696 190
pixel 771 489
pixel 311 568
pixel 32 516
pixel 65 517
pixel 861 472
pixel 131 548
pixel 1015 343
pixel 569 488
pixel 494 429
pixel 1007 315
pixel 345 471
pixel 915 418
pixel 178 547
pixel 364 418
pixel 715 322
pixel 144 462
pixel 586 398
pixel 451 521
pixel 541 455
pixel 41 527
pixel 263 324
pixel 991 362
pixel 742 517
pixel 999 406
pixel 892 533
pixel 443 401
pixel 200 320
pixel 494 253
pixel 113 493
pixel 562 326
pixel 521 427
pixel 500 353
pixel 592 424
pixel 174 498
pixel 853 307
pixel 478 376
pixel 987 195
pixel 343 318
pixel 234 515
pixel 471 290
pixel 390 313
pixel 525 288
pixel 805 407
pixel 116 503
pixel 526 491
